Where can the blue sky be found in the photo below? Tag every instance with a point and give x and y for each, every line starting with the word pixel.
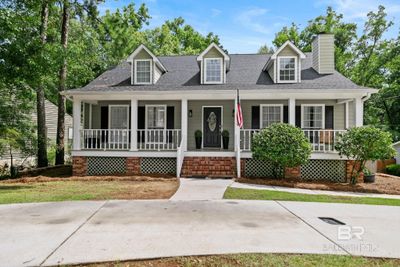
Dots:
pixel 244 25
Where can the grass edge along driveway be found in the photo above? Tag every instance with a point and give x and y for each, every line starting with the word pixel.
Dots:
pixel 254 194
pixel 236 260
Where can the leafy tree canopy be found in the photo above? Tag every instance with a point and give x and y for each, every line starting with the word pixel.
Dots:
pixel 175 37
pixel 369 60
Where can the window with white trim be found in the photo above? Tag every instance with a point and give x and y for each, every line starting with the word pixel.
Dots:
pixel 271 114
pixel 143 71
pixel 118 117
pixel 156 116
pixel 313 116
pixel 213 70
pixel 287 69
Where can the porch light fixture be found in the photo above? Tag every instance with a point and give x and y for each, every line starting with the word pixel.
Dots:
pixel 190 113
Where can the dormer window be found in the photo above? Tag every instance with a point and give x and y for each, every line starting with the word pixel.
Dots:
pixel 284 66
pixel 143 71
pixel 287 69
pixel 213 70
pixel 213 63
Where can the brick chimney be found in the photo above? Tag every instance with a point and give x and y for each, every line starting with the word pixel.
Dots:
pixel 323 51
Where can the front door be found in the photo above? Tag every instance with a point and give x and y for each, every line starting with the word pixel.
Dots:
pixel 212 127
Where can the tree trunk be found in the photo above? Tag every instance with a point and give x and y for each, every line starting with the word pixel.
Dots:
pixel 42 160
pixel 60 152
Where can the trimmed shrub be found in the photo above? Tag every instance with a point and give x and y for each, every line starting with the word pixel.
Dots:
pixel 393 169
pixel 361 144
pixel 283 145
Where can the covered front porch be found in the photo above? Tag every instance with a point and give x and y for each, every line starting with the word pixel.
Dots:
pixel 145 125
pixel 146 130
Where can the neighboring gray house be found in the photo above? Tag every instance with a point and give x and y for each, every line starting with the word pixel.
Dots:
pixel 51 122
pixel 141 116
pixel 51 128
pixel 396 146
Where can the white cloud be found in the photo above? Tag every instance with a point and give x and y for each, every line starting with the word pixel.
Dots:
pixel 215 12
pixel 252 19
pixel 354 10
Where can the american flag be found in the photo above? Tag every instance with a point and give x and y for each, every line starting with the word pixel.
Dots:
pixel 239 115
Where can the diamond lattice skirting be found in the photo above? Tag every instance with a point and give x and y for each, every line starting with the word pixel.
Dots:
pixel 158 165
pixel 328 170
pixel 258 168
pixel 105 165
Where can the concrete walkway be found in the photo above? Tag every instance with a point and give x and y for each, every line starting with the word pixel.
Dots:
pixel 309 191
pixel 46 234
pixel 201 189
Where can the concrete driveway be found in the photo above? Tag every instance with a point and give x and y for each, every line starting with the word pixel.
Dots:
pixel 77 232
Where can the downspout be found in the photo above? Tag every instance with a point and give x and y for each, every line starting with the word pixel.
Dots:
pixel 365 98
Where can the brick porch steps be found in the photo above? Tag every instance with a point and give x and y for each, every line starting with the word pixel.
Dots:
pixel 218 167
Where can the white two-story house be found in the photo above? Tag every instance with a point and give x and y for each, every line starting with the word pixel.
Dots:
pixel 141 116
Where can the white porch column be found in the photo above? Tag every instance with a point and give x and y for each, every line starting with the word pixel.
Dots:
pixel 359 110
pixel 134 124
pixel 76 110
pixel 90 116
pixel 346 114
pixel 292 111
pixel 184 123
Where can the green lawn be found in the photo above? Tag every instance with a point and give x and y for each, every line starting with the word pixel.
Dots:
pixel 250 260
pixel 252 194
pixel 84 190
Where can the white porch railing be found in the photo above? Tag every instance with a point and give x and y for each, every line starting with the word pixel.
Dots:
pixel 246 137
pixel 119 139
pixel 321 140
pixel 159 139
pixel 105 139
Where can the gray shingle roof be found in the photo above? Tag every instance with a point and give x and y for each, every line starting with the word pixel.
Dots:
pixel 245 73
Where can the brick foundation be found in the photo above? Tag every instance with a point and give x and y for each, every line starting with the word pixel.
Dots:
pixel 349 168
pixel 79 166
pixel 209 166
pixel 293 173
pixel 133 166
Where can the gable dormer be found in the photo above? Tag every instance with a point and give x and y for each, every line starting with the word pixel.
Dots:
pixel 214 63
pixel 146 69
pixel 284 66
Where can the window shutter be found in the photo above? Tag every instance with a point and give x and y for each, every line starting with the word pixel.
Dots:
pixel 104 122
pixel 104 117
pixel 328 117
pixel 255 117
pixel 170 122
pixel 129 117
pixel 285 114
pixel 141 117
pixel 298 116
pixel 141 123
pixel 170 117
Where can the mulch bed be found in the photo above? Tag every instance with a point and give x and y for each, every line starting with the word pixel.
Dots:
pixel 50 171
pixel 384 184
pixel 42 179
